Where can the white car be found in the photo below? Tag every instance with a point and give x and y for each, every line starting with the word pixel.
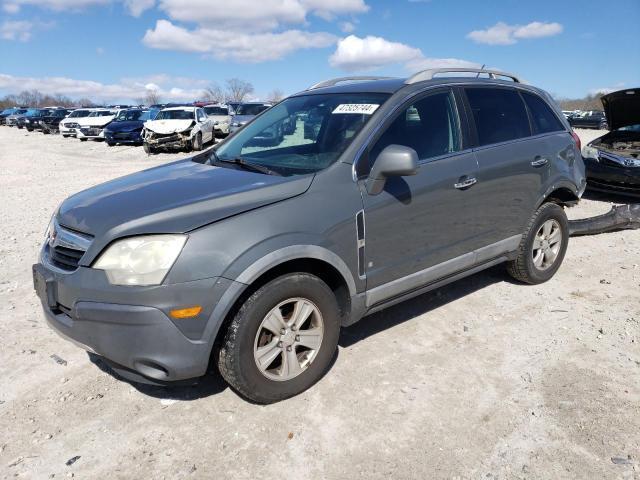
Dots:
pixel 70 124
pixel 221 116
pixel 178 128
pixel 92 127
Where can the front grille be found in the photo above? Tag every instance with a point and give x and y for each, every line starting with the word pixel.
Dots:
pixel 90 132
pixel 65 247
pixel 66 258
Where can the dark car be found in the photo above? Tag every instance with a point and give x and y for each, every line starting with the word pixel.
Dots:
pixel 127 126
pixel 593 119
pixel 32 122
pixel 51 123
pixel 13 120
pixel 251 258
pixel 613 160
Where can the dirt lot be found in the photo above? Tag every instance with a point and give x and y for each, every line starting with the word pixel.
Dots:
pixel 483 379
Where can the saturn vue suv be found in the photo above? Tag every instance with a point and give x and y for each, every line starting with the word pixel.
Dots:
pixel 249 257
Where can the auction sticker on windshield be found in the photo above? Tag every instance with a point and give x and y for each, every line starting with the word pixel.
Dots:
pixel 359 108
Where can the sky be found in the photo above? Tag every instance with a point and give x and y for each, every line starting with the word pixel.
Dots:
pixel 117 50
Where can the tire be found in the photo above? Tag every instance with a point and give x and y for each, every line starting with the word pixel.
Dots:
pixel 196 144
pixel 29 129
pixel 148 149
pixel 236 357
pixel 111 144
pixel 538 259
pixel 83 139
pixel 45 132
pixel 65 135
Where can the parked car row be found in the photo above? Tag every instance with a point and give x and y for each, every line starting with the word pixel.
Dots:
pixel 159 127
pixel 587 119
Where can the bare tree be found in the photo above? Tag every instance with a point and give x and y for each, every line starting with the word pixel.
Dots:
pixel 275 96
pixel 590 102
pixel 213 94
pixel 152 97
pixel 238 90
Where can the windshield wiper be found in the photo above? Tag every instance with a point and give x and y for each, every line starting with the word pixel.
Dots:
pixel 247 165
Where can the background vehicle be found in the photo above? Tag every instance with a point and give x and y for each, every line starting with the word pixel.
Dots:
pixel 51 123
pixel 613 160
pixel 593 119
pixel 254 256
pixel 92 127
pixel 13 120
pixel 178 128
pixel 31 119
pixel 127 126
pixel 70 125
pixel 245 112
pixel 221 117
pixel 8 112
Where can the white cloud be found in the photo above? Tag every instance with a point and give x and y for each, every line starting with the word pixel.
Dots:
pixel 169 88
pixel 21 30
pixel 347 27
pixel 605 90
pixel 357 54
pixel 361 54
pixel 137 7
pixel 13 6
pixel 239 46
pixel 505 34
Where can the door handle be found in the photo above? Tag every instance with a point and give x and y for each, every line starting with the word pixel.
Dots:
pixel 465 183
pixel 539 161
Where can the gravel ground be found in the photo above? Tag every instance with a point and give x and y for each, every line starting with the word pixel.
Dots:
pixel 483 379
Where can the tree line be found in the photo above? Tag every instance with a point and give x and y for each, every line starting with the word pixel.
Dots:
pixel 234 90
pixel 590 102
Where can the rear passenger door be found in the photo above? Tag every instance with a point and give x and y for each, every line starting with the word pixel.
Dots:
pixel 423 220
pixel 509 181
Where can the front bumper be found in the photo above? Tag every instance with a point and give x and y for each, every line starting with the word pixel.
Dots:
pixel 169 141
pixel 130 326
pixel 123 137
pixel 90 132
pixel 612 178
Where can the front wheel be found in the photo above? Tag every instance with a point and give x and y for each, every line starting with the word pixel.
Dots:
pixel 543 246
pixel 282 339
pixel 148 149
pixel 196 143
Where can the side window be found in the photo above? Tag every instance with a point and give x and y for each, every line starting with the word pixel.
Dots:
pixel 499 114
pixel 430 126
pixel 544 120
pixel 201 116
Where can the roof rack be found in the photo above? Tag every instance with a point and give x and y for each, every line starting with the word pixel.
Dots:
pixel 429 74
pixel 335 81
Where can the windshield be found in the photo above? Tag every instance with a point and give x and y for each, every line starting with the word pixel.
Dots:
pixel 303 134
pixel 103 113
pixel 129 115
pixel 175 115
pixel 216 110
pixel 148 115
pixel 32 112
pixel 251 109
pixel 79 113
pixel 631 128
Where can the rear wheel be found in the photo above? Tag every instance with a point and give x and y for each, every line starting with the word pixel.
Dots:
pixel 83 139
pixel 282 339
pixel 543 246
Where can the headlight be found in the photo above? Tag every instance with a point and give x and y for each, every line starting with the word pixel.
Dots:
pixel 590 152
pixel 143 260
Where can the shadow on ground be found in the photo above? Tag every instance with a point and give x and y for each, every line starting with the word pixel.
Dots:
pixel 402 312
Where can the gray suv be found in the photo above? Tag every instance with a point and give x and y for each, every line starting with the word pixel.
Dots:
pixel 251 256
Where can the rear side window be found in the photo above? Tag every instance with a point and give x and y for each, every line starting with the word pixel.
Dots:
pixel 430 126
pixel 499 114
pixel 544 120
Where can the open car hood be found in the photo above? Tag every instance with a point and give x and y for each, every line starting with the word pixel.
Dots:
pixel 168 126
pixel 622 108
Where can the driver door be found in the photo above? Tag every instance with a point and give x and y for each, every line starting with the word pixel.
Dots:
pixel 421 227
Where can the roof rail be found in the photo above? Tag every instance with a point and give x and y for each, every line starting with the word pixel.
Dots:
pixel 429 74
pixel 335 81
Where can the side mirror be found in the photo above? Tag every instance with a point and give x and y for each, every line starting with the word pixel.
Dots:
pixel 393 161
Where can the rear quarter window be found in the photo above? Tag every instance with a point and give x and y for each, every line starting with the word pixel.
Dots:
pixel 499 114
pixel 544 120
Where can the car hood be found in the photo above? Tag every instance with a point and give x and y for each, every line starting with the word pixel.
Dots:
pixel 243 118
pixel 168 126
pixel 219 118
pixel 96 121
pixel 622 108
pixel 173 198
pixel 125 126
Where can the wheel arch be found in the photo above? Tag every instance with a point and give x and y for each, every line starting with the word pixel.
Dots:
pixel 563 194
